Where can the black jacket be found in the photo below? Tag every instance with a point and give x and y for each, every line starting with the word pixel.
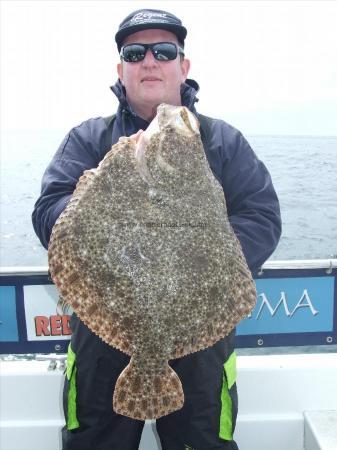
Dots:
pixel 253 207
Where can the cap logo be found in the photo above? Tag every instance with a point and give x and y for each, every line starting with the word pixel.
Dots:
pixel 144 17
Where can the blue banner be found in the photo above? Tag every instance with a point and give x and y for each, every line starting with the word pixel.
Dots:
pixel 291 305
pixel 8 319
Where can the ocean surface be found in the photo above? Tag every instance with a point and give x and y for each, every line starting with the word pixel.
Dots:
pixel 303 169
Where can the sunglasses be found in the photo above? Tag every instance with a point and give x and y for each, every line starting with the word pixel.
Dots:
pixel 161 51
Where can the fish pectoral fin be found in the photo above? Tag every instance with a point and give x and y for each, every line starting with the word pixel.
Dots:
pixel 142 395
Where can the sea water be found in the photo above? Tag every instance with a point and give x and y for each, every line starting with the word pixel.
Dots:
pixel 303 169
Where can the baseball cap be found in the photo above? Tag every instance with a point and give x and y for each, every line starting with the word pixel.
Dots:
pixel 143 19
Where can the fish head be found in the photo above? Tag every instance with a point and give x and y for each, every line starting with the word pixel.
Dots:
pixel 177 118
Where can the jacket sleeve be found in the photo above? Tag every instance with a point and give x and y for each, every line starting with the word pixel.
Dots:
pixel 252 203
pixel 78 152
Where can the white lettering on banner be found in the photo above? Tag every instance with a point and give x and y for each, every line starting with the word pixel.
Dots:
pixel 304 302
pixel 305 296
pixel 272 311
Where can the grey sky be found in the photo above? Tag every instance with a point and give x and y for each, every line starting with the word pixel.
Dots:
pixel 267 67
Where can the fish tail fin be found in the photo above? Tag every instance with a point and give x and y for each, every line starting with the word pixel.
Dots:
pixel 145 396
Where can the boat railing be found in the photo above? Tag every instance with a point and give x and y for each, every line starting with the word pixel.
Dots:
pixel 296 306
pixel 328 264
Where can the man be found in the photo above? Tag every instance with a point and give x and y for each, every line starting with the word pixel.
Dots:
pixel 151 74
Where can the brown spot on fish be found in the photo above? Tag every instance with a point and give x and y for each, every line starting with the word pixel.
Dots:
pixel 57 268
pixel 73 277
pixel 113 332
pixel 157 384
pixel 62 234
pixel 214 292
pixel 131 405
pixel 136 384
pixel 210 329
pixel 166 400
pixel 114 316
pixel 175 383
pixel 122 396
pixel 127 322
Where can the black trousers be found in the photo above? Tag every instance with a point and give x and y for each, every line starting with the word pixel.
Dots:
pixel 89 387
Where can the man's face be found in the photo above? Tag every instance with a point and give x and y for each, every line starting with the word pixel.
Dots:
pixel 150 82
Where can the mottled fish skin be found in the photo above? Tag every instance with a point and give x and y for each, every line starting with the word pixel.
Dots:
pixel 146 256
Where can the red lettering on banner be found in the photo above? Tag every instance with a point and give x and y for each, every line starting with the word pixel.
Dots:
pixel 65 325
pixel 55 325
pixel 52 326
pixel 41 326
